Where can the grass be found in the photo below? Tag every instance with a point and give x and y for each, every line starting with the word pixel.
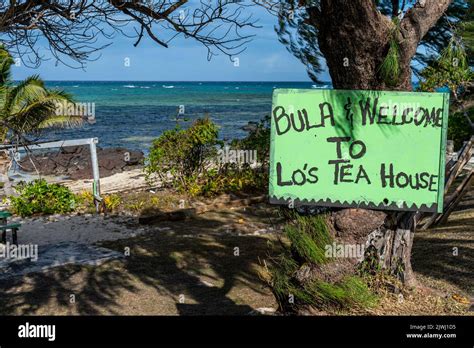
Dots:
pixel 389 70
pixel 308 236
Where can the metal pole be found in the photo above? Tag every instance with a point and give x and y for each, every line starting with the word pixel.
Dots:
pixel 95 172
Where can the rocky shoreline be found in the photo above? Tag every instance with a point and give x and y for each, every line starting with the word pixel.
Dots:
pixel 75 162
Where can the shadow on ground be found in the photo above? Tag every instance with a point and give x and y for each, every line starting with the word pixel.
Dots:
pixel 446 253
pixel 189 269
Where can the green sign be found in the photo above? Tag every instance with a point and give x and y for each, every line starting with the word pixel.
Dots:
pixel 368 149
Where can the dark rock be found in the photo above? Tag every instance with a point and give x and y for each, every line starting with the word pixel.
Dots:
pixel 356 224
pixel 75 162
pixel 251 126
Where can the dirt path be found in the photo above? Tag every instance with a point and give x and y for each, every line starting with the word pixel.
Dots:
pixel 443 257
pixel 209 265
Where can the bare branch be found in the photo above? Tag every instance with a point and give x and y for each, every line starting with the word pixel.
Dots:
pixel 75 29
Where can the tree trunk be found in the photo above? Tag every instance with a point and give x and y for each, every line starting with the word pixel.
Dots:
pixel 354 39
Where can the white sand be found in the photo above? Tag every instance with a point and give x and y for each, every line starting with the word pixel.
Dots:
pixel 124 181
pixel 85 229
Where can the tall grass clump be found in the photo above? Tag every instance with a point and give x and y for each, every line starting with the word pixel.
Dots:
pixel 308 237
pixel 389 70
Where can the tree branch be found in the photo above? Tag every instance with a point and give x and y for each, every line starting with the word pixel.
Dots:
pixel 73 28
pixel 418 21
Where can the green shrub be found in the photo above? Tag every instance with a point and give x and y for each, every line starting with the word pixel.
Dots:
pixel 451 69
pixel 459 129
pixel 258 139
pixel 187 160
pixel 39 197
pixel 183 153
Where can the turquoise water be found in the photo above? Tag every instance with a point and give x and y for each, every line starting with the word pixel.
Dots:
pixel 132 114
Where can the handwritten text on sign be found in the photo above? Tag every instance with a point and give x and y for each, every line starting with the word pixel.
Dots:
pixel 370 149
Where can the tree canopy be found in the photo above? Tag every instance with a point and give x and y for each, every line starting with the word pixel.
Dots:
pixel 299 28
pixel 76 29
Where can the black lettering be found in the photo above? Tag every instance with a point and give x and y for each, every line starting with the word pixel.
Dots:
pixel 303 177
pixel 366 113
pixel 439 118
pixel 424 180
pixel 418 120
pixel 414 181
pixel 431 117
pixel 308 126
pixel 433 182
pixel 312 173
pixel 279 181
pixel 362 150
pixel 301 121
pixel 338 141
pixel 383 116
pixel 384 176
pixel 324 116
pixel 277 119
pixel 362 174
pixel 344 171
pixel 405 115
pixel 405 178
pixel 394 117
pixel 336 169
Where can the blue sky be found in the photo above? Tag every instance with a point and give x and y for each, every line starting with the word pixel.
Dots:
pixel 265 59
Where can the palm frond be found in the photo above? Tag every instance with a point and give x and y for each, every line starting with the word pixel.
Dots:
pixel 40 113
pixel 29 106
pixel 6 62
pixel 32 88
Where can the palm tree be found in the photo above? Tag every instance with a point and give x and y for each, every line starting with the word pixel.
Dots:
pixel 27 108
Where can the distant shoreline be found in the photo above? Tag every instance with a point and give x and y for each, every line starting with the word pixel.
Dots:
pixel 196 81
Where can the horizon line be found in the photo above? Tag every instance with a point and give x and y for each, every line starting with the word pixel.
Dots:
pixel 269 81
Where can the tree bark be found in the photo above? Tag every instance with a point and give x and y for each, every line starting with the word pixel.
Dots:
pixel 354 39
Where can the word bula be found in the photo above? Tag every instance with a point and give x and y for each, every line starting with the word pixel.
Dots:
pixel 370 113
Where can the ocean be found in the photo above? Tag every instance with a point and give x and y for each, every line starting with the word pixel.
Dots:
pixel 131 114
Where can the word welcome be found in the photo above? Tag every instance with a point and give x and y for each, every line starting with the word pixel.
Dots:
pixel 370 113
